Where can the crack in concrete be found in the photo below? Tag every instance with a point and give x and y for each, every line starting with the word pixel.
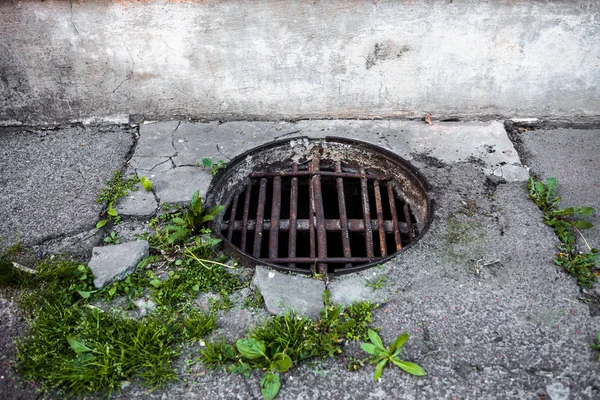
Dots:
pixel 286 134
pixel 173 142
pixel 161 163
pixel 122 82
pixel 72 23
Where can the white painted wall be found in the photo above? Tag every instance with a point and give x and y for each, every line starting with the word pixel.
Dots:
pixel 63 61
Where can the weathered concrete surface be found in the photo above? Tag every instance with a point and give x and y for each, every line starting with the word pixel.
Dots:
pixel 352 288
pixel 571 156
pixel 49 179
pixel 115 262
pixel 514 329
pixel 237 59
pixel 284 292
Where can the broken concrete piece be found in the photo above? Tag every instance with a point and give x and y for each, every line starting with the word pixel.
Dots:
pixel 284 292
pixel 139 203
pixel 178 184
pixel 110 263
pixel 512 173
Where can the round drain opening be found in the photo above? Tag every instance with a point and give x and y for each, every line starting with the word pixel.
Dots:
pixel 330 205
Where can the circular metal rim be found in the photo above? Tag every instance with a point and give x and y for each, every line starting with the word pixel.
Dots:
pixel 248 259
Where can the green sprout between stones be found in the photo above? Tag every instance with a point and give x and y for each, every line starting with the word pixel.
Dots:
pixel 213 167
pixel 381 354
pixel 113 238
pixel 566 222
pixel 114 189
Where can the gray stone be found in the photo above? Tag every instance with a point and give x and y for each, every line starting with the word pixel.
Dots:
pixel 512 173
pixel 115 262
pixel 284 292
pixel 178 184
pixel 139 203
pixel 557 391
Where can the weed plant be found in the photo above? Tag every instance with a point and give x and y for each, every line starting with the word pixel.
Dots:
pixel 284 341
pixel 566 222
pixel 76 347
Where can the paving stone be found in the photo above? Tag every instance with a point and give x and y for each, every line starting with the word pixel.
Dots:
pixel 139 203
pixel 284 292
pixel 156 139
pixel 110 263
pixel 352 288
pixel 178 184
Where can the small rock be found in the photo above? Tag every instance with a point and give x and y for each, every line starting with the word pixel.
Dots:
pixel 284 292
pixel 115 262
pixel 557 391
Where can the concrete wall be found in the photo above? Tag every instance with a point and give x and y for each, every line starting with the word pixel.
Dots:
pixel 74 60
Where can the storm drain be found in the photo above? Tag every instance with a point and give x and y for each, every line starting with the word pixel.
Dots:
pixel 328 205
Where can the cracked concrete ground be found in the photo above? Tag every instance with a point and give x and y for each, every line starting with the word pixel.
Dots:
pixel 514 328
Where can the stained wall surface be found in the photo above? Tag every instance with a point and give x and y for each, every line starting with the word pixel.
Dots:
pixel 79 60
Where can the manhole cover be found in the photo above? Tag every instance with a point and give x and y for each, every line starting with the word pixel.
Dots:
pixel 330 205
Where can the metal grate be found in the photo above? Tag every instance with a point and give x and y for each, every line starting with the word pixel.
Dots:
pixel 324 215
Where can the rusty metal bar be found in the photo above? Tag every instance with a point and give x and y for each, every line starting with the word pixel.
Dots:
pixel 378 206
pixel 293 215
pixel 260 214
pixel 234 204
pixel 311 220
pixel 392 200
pixel 382 178
pixel 319 215
pixel 245 216
pixel 411 235
pixel 366 213
pixel 274 223
pixel 331 225
pixel 312 260
pixel 343 216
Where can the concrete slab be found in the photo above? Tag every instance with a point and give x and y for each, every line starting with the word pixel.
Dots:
pixel 156 139
pixel 283 292
pixel 177 185
pixel 49 179
pixel 484 143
